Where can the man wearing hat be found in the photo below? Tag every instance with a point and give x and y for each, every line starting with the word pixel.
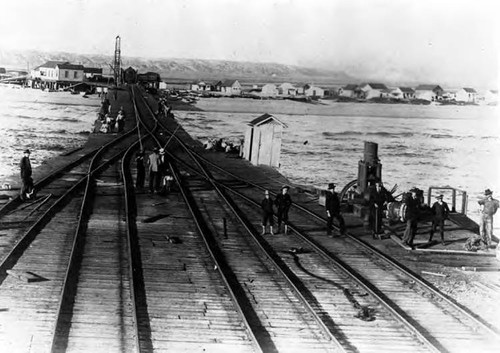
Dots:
pixel 412 204
pixel 283 202
pixel 440 211
pixel 267 213
pixel 141 170
pixel 154 171
pixel 489 207
pixel 26 172
pixel 332 206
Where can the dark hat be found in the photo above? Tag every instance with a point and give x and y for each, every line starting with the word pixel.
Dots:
pixel 439 196
pixel 488 192
pixel 331 186
pixel 285 187
pixel 27 151
pixel 414 190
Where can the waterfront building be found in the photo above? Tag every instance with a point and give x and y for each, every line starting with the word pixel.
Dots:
pixel 129 75
pixel 229 87
pixel 467 95
pixel 149 79
pixel 491 97
pixel 429 92
pixel 57 74
pixel 92 73
pixel 269 90
pixel 408 92
pixel 287 89
pixel 203 86
pixel 349 91
pixel 313 91
pixel 371 90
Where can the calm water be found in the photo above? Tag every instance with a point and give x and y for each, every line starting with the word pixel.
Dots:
pixel 47 123
pixel 418 145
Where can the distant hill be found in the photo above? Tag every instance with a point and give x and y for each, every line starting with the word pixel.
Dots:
pixel 189 69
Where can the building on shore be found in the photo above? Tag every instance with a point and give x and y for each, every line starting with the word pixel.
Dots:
pixel 56 74
pixel 202 86
pixel 429 92
pixel 149 79
pixel 349 91
pixel 490 97
pixel 372 90
pixel 92 73
pixel 269 90
pixel 229 87
pixel 408 92
pixel 466 95
pixel 287 89
pixel 313 91
pixel 129 75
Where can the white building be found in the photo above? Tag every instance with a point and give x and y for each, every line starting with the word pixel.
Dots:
pixel 55 74
pixel 372 90
pixel 429 92
pixel 269 90
pixel 287 89
pixel 313 91
pixel 467 95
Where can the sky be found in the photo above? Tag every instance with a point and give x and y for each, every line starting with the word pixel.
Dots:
pixel 454 41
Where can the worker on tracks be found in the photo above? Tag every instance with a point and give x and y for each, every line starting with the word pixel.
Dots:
pixel 332 206
pixel 154 171
pixel 412 204
pixel 283 202
pixel 27 189
pixel 489 207
pixel 267 213
pixel 440 212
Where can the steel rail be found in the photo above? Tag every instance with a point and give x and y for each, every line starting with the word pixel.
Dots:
pixel 480 321
pixel 67 297
pixel 52 176
pixel 323 320
pixel 228 277
pixel 135 262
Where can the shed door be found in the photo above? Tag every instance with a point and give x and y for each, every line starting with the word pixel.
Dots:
pixel 266 144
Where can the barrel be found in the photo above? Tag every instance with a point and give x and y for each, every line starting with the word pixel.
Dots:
pixel 371 152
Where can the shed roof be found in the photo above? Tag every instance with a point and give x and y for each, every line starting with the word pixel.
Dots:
pixel 469 90
pixel 377 85
pixel 51 64
pixel 68 66
pixel 264 119
pixel 350 87
pixel 407 89
pixel 92 70
pixel 428 88
pixel 228 83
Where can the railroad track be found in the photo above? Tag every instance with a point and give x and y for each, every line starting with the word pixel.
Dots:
pixel 435 322
pixel 54 251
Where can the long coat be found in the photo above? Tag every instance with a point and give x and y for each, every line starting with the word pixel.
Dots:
pixel 25 167
pixel 332 202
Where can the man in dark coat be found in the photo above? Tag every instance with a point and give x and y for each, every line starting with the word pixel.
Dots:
pixel 141 170
pixel 283 202
pixel 267 213
pixel 440 211
pixel 26 172
pixel 154 171
pixel 377 200
pixel 411 216
pixel 332 206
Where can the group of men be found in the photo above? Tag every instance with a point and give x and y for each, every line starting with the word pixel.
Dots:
pixel 440 212
pixel 160 177
pixel 283 201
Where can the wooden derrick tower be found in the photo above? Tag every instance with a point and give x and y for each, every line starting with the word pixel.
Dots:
pixel 117 62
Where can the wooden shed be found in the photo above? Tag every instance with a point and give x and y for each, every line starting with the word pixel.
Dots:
pixel 263 141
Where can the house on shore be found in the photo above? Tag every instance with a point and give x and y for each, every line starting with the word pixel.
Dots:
pixel 92 73
pixel 491 97
pixel 467 95
pixel 229 87
pixel 202 86
pixel 149 79
pixel 287 89
pixel 372 90
pixel 349 91
pixel 57 74
pixel 429 92
pixel 407 92
pixel 269 90
pixel 313 91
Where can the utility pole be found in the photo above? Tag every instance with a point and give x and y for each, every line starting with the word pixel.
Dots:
pixel 117 62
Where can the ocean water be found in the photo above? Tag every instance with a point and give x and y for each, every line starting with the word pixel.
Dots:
pixel 48 123
pixel 418 146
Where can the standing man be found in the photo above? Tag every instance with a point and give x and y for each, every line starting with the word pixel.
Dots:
pixel 440 211
pixel 141 170
pixel 154 171
pixel 489 207
pixel 267 213
pixel 332 206
pixel 377 201
pixel 283 202
pixel 411 217
pixel 26 172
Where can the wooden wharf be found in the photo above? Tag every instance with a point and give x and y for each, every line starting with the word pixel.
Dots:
pixel 116 268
